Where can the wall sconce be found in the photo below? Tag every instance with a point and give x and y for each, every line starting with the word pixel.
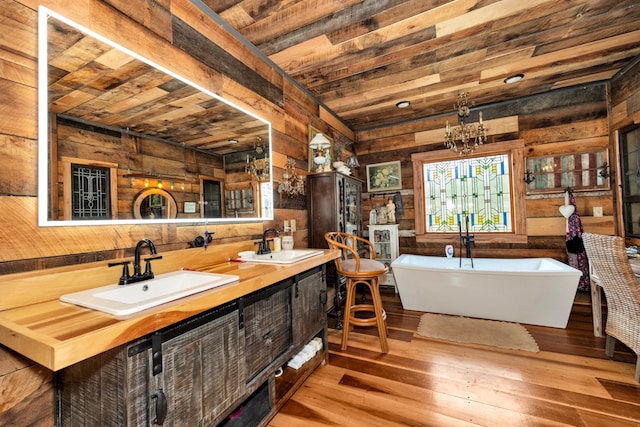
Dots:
pixel 604 170
pixel 159 183
pixel 528 177
pixel 146 182
pixel 319 143
pixel 292 184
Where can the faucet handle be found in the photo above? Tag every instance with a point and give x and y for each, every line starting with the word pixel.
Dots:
pixel 124 279
pixel 147 266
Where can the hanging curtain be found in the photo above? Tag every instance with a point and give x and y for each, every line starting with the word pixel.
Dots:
pixel 575 248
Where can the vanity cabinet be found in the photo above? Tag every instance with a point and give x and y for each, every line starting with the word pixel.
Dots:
pixel 266 320
pixel 201 370
pixel 309 299
pixel 160 379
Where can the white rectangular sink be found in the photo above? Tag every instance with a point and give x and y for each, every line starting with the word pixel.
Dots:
pixel 122 300
pixel 286 256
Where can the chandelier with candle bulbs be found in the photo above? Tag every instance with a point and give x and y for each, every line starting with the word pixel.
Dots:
pixel 292 184
pixel 464 138
pixel 258 168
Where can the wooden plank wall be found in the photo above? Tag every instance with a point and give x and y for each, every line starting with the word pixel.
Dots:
pixel 155 34
pixel 173 33
pixel 561 121
pixel 151 157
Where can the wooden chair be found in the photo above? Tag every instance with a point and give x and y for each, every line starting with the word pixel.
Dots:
pixel 359 270
pixel 608 258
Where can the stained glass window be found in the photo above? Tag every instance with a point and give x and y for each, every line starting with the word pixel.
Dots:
pixel 477 188
pixel 91 192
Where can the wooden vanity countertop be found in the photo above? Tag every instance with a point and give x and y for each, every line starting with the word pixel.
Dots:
pixel 57 334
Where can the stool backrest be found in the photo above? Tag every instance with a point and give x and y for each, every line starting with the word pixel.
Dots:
pixel 351 247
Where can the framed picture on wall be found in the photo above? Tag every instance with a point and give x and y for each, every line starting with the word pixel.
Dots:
pixel 384 176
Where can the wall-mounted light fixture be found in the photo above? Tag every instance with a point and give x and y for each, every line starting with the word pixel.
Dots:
pixel 149 178
pixel 604 170
pixel 292 184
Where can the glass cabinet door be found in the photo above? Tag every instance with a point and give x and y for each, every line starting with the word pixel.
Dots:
pixel 352 207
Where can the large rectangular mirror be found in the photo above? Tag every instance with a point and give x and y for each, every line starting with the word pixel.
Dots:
pixel 125 140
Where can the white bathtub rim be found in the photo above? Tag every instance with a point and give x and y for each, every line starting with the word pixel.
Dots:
pixel 563 268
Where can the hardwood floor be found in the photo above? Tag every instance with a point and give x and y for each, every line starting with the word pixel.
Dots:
pixel 426 382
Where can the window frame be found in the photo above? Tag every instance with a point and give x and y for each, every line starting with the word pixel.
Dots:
pixel 623 190
pixel 65 165
pixel 515 150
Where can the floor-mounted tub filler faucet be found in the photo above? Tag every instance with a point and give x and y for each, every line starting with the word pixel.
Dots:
pixel 263 246
pixel 467 240
pixel 138 275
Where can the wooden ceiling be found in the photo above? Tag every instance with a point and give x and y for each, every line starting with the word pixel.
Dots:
pixel 360 57
pixel 95 85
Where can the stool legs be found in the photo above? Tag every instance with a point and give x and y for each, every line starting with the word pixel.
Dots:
pixel 351 308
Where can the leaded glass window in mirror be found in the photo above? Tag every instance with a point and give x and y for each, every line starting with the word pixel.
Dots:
pixel 90 192
pixel 475 187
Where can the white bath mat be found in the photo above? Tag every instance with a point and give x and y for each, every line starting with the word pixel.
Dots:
pixel 477 331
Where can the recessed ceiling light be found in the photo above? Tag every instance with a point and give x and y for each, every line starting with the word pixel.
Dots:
pixel 514 79
pixel 403 104
pixel 232 141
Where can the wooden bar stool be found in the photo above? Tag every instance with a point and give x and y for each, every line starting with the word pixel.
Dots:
pixel 359 270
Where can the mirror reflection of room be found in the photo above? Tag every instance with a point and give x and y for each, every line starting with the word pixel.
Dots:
pixel 129 126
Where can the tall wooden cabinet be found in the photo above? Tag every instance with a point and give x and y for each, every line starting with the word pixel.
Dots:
pixel 334 204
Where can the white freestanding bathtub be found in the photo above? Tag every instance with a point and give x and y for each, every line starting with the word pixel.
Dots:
pixel 535 291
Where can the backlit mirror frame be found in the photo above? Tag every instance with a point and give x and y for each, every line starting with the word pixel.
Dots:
pixel 43 136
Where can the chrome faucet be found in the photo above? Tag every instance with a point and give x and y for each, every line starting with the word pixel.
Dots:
pixel 263 247
pixel 138 276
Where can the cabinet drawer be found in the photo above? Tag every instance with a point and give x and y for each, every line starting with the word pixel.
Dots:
pixel 267 328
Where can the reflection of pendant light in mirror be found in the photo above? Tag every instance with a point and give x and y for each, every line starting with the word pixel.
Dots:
pixel 319 143
pixel 258 168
